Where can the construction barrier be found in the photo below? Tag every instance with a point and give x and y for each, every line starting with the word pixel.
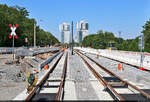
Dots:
pixel 120 67
pixel 129 57
pixel 46 67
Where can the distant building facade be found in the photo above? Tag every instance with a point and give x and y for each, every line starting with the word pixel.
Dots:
pixel 82 30
pixel 75 38
pixel 64 33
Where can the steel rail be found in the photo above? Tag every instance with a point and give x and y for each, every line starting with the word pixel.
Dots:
pixel 41 82
pixel 106 70
pixel 60 91
pixel 101 79
pixel 135 66
pixel 111 73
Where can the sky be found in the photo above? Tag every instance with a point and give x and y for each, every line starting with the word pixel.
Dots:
pixel 127 16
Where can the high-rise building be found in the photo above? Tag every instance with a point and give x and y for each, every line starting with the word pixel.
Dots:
pixel 82 30
pixel 64 33
pixel 75 38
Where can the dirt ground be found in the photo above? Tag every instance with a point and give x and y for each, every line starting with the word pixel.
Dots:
pixel 10 86
pixel 13 74
pixel 10 89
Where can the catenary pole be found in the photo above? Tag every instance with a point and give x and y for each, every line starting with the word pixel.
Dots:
pixel 34 35
pixel 72 37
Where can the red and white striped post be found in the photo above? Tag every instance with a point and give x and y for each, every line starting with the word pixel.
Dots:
pixel 13 34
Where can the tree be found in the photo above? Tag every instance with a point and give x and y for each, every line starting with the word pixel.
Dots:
pixel 100 40
pixel 146 32
pixel 19 15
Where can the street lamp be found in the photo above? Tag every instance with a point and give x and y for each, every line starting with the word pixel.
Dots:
pixel 35 32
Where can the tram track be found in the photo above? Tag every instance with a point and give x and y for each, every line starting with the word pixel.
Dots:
pixel 35 95
pixel 112 82
pixel 135 66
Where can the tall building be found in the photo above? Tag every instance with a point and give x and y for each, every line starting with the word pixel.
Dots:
pixel 64 33
pixel 75 38
pixel 82 30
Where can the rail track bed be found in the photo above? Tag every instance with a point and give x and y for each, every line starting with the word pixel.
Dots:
pixel 52 84
pixel 118 88
pixel 82 77
pixel 135 66
pixel 80 83
pixel 138 77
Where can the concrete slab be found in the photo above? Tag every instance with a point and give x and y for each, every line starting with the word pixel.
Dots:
pixel 68 68
pixel 70 93
pixel 53 83
pixel 92 77
pixel 77 86
pixel 99 70
pixel 57 72
pixel 139 85
pixel 123 91
pixel 49 90
pixel 102 95
pixel 21 96
pixel 53 78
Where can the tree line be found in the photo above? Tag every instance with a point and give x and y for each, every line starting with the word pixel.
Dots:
pixel 19 15
pixel 102 40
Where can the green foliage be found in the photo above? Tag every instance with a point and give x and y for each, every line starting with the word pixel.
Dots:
pixel 102 40
pixel 19 15
pixel 146 32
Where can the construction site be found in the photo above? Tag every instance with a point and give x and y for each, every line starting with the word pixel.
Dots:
pixel 85 74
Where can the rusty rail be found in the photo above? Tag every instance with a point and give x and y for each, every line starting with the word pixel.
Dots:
pixel 112 74
pixel 60 91
pixel 41 82
pixel 135 66
pixel 101 79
